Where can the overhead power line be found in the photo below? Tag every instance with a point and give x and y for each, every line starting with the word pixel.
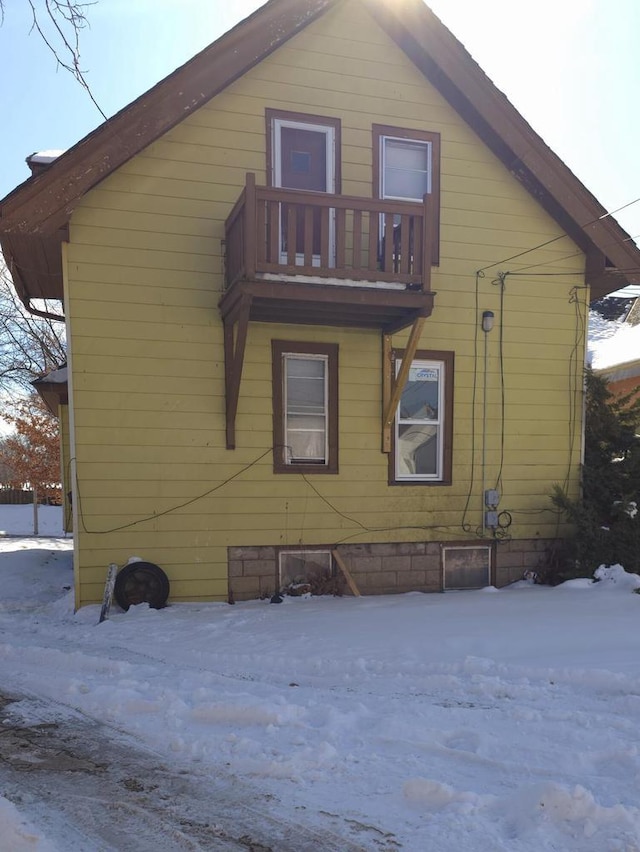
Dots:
pixel 561 237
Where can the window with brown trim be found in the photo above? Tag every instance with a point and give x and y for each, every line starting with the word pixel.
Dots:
pixel 303 151
pixel 423 433
pixel 305 407
pixel 406 166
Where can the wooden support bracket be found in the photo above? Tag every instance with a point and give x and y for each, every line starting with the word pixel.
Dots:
pixel 236 324
pixel 387 380
pixel 392 387
pixel 347 574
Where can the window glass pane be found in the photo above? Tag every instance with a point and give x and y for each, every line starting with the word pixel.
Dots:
pixel 406 169
pixel 418 450
pixel 406 154
pixel 305 414
pixel 305 385
pixel 420 397
pixel 305 396
pixel 305 368
pixel 308 446
pixel 298 566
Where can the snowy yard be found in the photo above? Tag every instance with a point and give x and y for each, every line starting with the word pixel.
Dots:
pixel 18 520
pixel 465 722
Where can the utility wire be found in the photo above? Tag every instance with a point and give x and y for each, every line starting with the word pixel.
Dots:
pixel 463 523
pixel 560 237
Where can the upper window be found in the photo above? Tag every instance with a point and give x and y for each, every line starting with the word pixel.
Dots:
pixel 305 407
pixel 406 167
pixel 423 425
pixel 303 151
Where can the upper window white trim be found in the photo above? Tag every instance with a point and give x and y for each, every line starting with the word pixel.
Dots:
pixel 330 135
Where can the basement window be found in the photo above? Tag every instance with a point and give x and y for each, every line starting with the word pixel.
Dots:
pixel 304 567
pixel 467 567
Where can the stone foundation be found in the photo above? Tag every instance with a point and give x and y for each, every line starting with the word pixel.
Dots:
pixel 383 569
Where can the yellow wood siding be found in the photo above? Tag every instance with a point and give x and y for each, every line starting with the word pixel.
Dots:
pixel 144 270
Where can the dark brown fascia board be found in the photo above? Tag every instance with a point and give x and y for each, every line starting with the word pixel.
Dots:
pixel 52 393
pixel 607 282
pixel 447 64
pixel 44 202
pixel 35 264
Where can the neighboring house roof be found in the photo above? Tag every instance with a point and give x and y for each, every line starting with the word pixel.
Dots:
pixel 53 388
pixel 614 348
pixel 613 308
pixel 633 317
pixel 34 217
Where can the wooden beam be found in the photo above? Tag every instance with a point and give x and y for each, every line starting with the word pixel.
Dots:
pixel 235 339
pixel 387 378
pixel 401 379
pixel 402 322
pixel 347 574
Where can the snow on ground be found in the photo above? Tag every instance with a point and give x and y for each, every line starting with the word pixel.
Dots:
pixel 18 520
pixel 470 721
pixel 17 835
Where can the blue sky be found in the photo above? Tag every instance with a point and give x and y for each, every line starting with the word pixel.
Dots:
pixel 570 66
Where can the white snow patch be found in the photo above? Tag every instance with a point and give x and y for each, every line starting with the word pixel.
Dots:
pixel 612 343
pixel 475 721
pixel 16 834
pixel 615 575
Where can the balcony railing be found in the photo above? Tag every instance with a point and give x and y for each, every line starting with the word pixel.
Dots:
pixel 279 233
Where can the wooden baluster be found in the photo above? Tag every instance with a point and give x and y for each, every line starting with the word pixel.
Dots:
pixel 406 223
pixel 250 227
pixel 373 240
pixel 341 234
pixel 292 232
pixel 357 240
pixel 274 232
pixel 261 233
pixel 389 260
pixel 325 213
pixel 308 235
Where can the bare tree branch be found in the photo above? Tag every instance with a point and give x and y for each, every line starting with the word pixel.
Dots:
pixel 59 24
pixel 29 346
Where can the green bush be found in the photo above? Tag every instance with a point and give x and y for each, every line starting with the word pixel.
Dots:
pixel 605 518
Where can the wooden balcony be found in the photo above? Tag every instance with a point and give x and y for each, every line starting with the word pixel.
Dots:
pixel 324 259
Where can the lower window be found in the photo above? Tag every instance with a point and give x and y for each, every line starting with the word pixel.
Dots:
pixel 423 423
pixel 305 407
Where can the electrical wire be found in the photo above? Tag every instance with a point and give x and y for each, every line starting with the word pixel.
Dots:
pixel 165 511
pixel 561 237
pixel 576 360
pixel 190 501
pixel 500 281
pixel 463 523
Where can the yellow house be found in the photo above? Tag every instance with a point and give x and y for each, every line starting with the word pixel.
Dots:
pixel 326 295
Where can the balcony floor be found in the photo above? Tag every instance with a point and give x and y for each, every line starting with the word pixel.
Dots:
pixel 332 304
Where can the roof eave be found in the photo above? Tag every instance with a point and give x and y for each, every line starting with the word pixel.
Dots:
pixel 44 202
pixel 453 71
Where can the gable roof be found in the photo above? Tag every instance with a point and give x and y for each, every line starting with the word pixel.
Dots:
pixel 34 216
